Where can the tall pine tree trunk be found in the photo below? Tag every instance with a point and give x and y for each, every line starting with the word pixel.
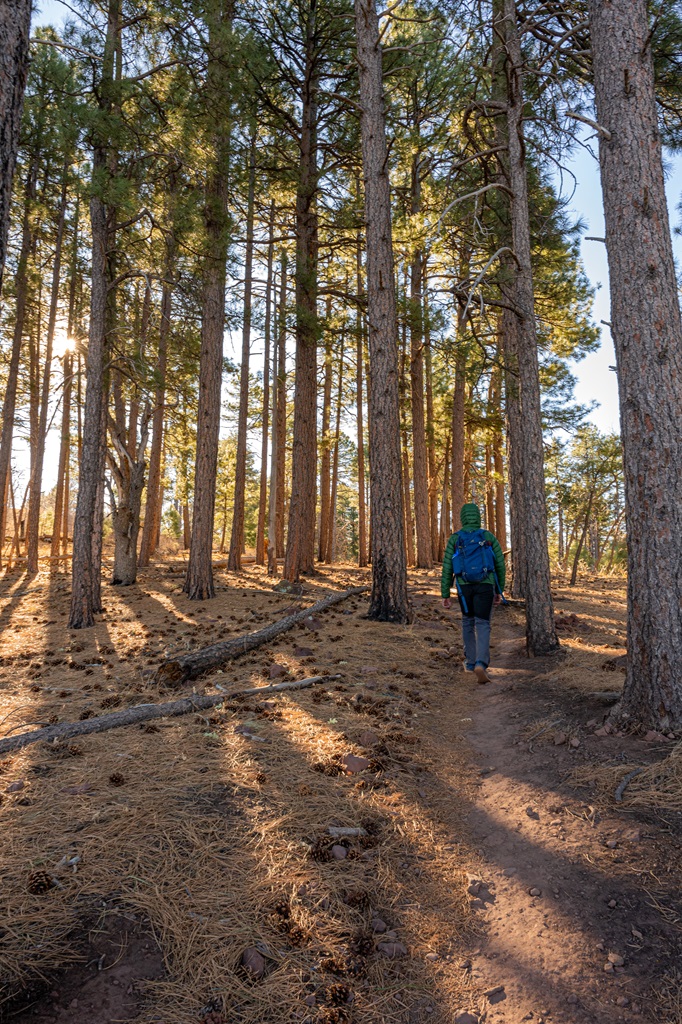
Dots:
pixel 431 436
pixel 265 413
pixel 325 441
pixel 389 600
pixel 647 334
pixel 281 388
pixel 87 529
pixel 199 584
pixel 458 406
pixel 359 413
pixel 272 498
pixel 424 556
pixel 35 489
pixel 234 558
pixel 330 547
pixel 152 512
pixel 21 294
pixel 15 26
pixel 300 549
pixel 541 635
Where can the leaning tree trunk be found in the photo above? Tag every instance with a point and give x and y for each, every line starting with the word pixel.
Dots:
pixel 541 635
pixel 300 549
pixel 647 334
pixel 15 26
pixel 389 600
pixel 234 557
pixel 199 583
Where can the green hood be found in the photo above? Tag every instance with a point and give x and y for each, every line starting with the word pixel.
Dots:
pixel 470 517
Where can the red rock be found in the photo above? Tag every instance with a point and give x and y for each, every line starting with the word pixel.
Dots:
pixel 275 671
pixel 84 787
pixel 15 787
pixel 559 738
pixel 253 962
pixel 353 764
pixel 339 852
pixel 368 670
pixel 303 652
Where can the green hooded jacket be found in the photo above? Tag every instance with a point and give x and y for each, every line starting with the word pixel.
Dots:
pixel 470 518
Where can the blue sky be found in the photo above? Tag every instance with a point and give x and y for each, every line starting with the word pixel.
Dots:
pixel 595 380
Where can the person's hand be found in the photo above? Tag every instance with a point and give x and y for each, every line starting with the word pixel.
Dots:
pixel 447 603
pixel 498 598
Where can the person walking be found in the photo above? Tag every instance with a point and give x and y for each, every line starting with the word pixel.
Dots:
pixel 474 562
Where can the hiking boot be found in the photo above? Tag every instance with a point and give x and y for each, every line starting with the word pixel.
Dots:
pixel 481 675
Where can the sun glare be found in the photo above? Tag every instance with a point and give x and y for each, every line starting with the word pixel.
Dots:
pixel 62 344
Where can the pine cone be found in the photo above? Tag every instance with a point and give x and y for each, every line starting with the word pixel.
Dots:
pixel 338 994
pixel 297 936
pixel 74 750
pixel 282 907
pixel 362 944
pixel 320 851
pixel 39 882
pixel 116 779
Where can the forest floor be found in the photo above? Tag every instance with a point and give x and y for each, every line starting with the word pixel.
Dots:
pixel 196 880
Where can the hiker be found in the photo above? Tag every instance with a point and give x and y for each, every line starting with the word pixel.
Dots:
pixel 474 561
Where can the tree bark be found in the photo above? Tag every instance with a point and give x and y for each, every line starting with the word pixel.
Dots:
pixel 431 435
pixel 274 450
pixel 458 404
pixel 581 540
pixel 359 412
pixel 146 712
pixel 424 555
pixel 15 28
pixel 281 402
pixel 330 547
pixel 325 442
pixel 35 488
pixel 199 584
pixel 647 334
pixel 234 558
pixel 189 666
pixel 389 600
pixel 153 505
pixel 300 549
pixel 541 635
pixel 21 293
pixel 265 414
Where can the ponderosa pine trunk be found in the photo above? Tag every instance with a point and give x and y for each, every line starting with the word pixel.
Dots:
pixel 431 437
pixel 199 584
pixel 458 403
pixel 281 431
pixel 541 638
pixel 86 567
pixel 389 600
pixel 265 412
pixel 300 548
pixel 152 511
pixel 9 404
pixel 234 557
pixel 359 413
pixel 35 488
pixel 325 442
pixel 424 556
pixel 60 529
pixel 15 29
pixel 647 334
pixel 272 497
pixel 514 465
pixel 330 547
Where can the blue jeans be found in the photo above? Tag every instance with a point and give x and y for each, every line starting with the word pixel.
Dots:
pixel 479 599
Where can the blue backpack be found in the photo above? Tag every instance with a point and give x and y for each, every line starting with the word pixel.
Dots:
pixel 473 559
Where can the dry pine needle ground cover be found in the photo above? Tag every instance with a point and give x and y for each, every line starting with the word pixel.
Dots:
pixel 184 871
pixel 206 837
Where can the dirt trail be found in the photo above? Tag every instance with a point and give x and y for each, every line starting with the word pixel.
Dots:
pixel 556 891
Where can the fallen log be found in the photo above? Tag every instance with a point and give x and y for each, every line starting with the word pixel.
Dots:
pixel 189 666
pixel 145 712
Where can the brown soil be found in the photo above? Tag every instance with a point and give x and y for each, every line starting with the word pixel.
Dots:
pixel 207 835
